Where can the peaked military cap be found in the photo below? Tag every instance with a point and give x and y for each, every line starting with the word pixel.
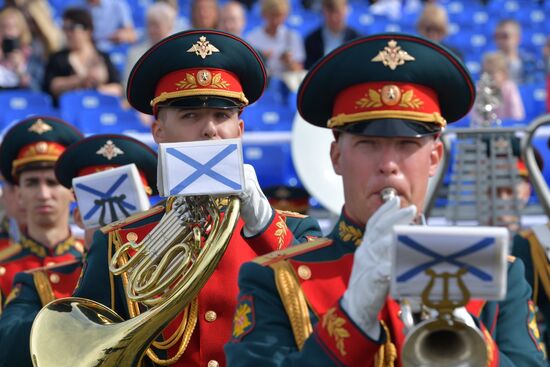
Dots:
pixel 387 85
pixel 101 152
pixel 34 143
pixel 197 68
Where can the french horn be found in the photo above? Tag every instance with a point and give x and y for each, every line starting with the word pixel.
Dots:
pixel 166 272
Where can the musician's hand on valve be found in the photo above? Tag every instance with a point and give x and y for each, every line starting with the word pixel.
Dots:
pixel 255 208
pixel 370 275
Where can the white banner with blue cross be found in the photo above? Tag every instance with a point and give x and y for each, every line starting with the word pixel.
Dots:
pixel 476 255
pixel 110 195
pixel 210 167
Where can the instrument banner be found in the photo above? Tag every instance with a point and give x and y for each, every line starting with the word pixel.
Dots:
pixel 461 261
pixel 111 195
pixel 212 167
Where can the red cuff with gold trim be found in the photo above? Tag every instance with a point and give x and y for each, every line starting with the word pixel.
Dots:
pixel 345 341
pixel 276 236
pixel 492 348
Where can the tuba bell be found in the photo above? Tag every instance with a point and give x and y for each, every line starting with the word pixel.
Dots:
pixel 166 272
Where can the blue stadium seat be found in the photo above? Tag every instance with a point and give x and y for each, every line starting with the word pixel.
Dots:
pixel 113 120
pixel 304 21
pixel 268 117
pixel 72 103
pixel 534 99
pixel 21 99
pixel 118 54
pixel 21 103
pixel 272 162
pixel 13 116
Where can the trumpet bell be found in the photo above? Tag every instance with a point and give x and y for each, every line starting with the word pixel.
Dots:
pixel 444 343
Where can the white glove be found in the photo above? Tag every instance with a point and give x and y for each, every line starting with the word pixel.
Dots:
pixel 255 208
pixel 370 275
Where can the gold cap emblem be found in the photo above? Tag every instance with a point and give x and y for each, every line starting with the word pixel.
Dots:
pixel 391 95
pixel 109 150
pixel 204 77
pixel 392 56
pixel 40 127
pixel 203 48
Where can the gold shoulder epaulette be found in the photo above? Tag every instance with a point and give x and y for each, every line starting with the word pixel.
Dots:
pixel 292 251
pixel 132 219
pixel 288 213
pixel 511 258
pixel 9 251
pixel 526 232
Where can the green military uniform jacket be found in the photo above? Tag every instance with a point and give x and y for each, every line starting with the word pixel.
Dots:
pixel 527 247
pixel 289 313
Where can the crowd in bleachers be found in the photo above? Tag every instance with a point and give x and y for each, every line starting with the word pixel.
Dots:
pixel 75 56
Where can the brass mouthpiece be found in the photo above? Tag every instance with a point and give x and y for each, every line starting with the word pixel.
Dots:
pixel 388 193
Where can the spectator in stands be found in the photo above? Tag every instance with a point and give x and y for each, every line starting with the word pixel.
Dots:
pixel 15 50
pixel 232 18
pixel 511 106
pixel 331 34
pixel 81 65
pixel 113 23
pixel 433 24
pixel 281 47
pixel 182 22
pixel 161 19
pixel 204 13
pixel 523 67
pixel 46 36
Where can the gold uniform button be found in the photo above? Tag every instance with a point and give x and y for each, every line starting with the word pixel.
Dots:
pixel 213 363
pixel 50 263
pixel 210 316
pixel 304 272
pixel 2 270
pixel 54 278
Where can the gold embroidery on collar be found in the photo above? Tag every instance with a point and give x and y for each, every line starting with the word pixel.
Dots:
pixel 33 246
pixel 392 56
pixel 350 233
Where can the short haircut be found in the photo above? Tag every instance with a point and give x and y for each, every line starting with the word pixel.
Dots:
pixel 162 11
pixel 270 6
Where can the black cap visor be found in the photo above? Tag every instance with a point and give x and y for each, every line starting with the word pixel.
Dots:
pixel 202 102
pixel 391 128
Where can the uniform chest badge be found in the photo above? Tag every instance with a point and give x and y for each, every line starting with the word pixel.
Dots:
pixel 243 321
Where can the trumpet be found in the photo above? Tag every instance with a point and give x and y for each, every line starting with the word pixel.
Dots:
pixel 435 336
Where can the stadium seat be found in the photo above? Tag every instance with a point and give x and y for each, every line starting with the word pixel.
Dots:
pixel 17 104
pixel 113 120
pixel 268 117
pixel 272 162
pixel 534 100
pixel 71 104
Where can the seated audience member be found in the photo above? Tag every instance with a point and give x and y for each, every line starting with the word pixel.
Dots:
pixel 16 49
pixel 204 13
pixel 433 23
pixel 81 65
pixel 332 33
pixel 281 47
pixel 113 23
pixel 232 18
pixel 161 19
pixel 523 66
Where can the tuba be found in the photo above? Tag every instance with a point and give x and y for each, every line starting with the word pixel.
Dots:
pixel 166 272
